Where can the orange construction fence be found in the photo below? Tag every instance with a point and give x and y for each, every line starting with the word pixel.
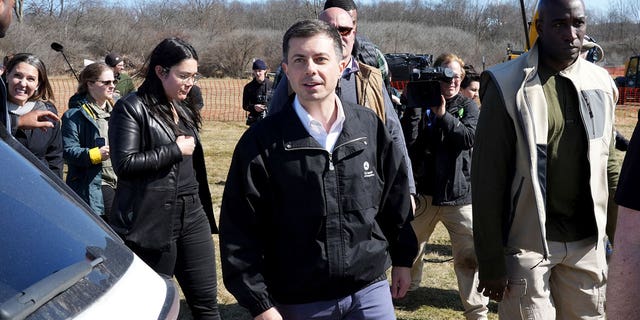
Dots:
pixel 222 97
pixel 629 96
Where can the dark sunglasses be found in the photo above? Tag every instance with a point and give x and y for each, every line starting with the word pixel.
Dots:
pixel 344 31
pixel 107 82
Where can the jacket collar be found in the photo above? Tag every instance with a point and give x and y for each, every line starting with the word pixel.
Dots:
pixel 295 136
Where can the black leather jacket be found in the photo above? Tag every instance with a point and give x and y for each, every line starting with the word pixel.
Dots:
pixel 146 159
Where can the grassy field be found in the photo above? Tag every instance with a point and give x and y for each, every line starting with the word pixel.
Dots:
pixel 437 298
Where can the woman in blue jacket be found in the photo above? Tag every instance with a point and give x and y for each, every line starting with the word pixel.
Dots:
pixel 84 132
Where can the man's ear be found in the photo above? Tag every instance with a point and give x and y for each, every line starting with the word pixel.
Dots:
pixel 284 68
pixel 538 27
pixel 342 65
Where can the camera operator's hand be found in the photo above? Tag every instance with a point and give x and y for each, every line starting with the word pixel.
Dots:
pixel 259 107
pixel 440 110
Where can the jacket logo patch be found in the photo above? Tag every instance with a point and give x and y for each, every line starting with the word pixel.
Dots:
pixel 367 172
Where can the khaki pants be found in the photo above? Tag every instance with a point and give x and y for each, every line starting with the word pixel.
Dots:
pixel 457 220
pixel 570 284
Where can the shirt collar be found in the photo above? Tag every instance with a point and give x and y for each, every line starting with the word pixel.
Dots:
pixel 352 67
pixel 326 139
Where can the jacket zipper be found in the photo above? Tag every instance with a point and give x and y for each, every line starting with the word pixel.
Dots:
pixel 338 198
pixel 593 122
pixel 348 142
pixel 331 166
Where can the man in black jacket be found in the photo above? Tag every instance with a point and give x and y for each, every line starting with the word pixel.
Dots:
pixel 316 206
pixel 440 134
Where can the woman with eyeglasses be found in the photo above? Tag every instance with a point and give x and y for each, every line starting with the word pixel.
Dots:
pixel 163 208
pixel 28 89
pixel 85 128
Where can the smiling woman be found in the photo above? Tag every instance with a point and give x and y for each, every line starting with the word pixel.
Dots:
pixel 28 89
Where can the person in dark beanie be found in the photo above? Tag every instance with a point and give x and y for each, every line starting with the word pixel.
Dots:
pixel 125 83
pixel 256 93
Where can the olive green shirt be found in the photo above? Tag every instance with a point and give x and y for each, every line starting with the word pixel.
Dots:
pixel 569 205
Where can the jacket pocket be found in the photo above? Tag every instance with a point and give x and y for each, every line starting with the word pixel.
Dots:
pixel 516 303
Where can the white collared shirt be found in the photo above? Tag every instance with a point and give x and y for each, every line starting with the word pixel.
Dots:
pixel 326 139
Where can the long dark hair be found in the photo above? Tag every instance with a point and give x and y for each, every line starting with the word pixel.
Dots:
pixel 44 91
pixel 168 53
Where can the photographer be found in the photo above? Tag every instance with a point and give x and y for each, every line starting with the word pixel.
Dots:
pixel 256 93
pixel 440 125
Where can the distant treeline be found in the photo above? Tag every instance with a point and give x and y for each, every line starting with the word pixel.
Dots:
pixel 228 35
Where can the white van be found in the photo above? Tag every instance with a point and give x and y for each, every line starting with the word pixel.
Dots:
pixel 60 261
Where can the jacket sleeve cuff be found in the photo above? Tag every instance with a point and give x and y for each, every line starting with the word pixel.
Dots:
pixel 94 155
pixel 492 268
pixel 260 307
pixel 405 250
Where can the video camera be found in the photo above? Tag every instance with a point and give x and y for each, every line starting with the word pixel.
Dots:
pixel 423 87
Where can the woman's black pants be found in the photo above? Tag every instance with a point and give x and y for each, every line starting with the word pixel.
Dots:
pixel 191 258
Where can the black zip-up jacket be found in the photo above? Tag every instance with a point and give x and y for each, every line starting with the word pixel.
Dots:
pixel 146 159
pixel 255 93
pixel 299 224
pixel 440 150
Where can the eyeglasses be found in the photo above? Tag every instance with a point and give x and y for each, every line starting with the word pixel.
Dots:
pixel 107 82
pixel 194 78
pixel 344 31
pixel 185 78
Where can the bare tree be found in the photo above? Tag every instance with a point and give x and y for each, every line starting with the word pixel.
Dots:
pixel 18 9
pixel 228 34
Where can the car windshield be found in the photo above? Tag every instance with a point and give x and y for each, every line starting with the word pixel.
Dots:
pixel 43 229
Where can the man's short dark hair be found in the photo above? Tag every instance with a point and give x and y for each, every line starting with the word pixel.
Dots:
pixel 347 5
pixel 308 29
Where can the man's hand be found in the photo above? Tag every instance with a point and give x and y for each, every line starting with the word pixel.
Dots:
pixel 494 288
pixel 42 119
pixel 270 314
pixel 400 281
pixel 440 110
pixel 259 107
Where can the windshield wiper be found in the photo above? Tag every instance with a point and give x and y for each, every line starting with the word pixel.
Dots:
pixel 26 302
